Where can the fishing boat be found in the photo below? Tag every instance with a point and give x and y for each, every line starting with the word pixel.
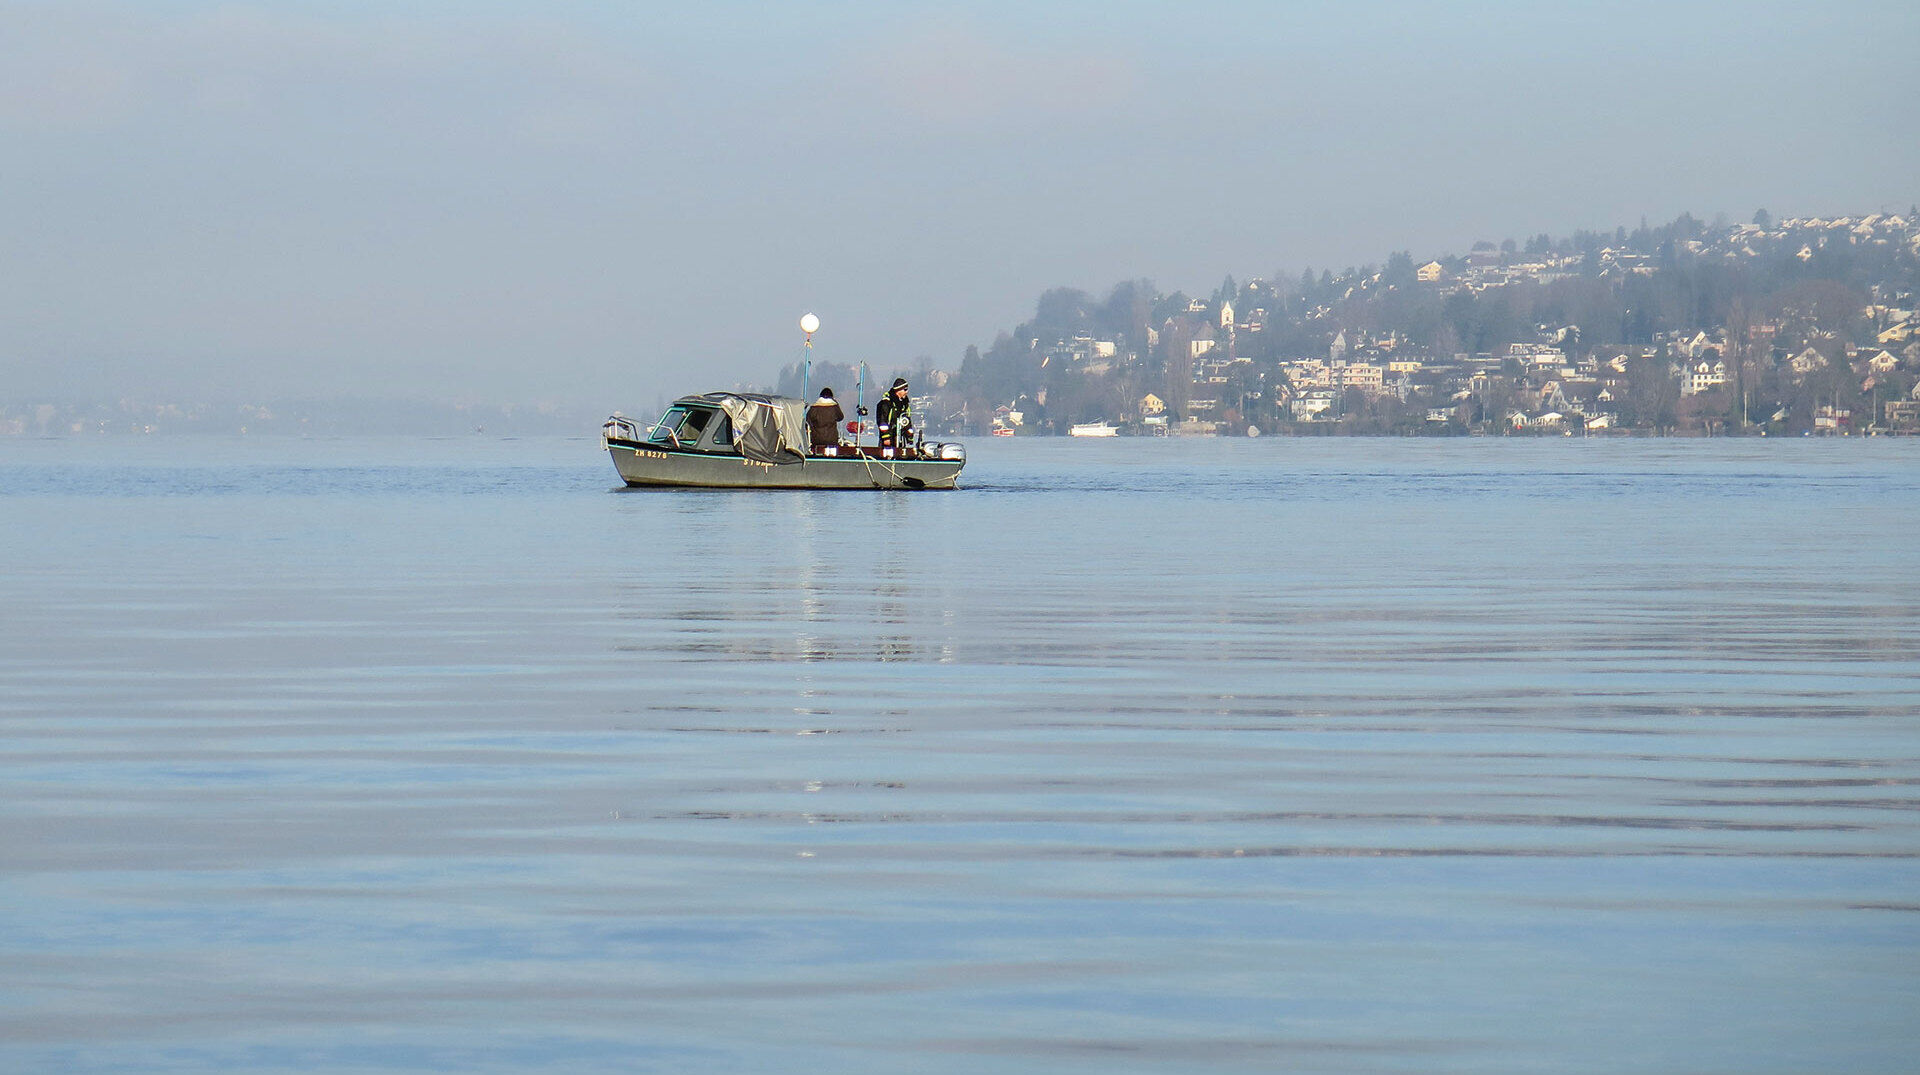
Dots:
pixel 743 440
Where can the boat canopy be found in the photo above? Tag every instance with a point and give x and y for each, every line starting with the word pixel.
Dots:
pixel 768 429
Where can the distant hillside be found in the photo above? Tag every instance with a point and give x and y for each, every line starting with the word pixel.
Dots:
pixel 1795 325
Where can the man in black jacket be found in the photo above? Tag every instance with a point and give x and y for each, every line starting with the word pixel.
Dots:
pixel 894 413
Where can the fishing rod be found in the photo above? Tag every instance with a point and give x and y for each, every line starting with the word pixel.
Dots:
pixel 860 409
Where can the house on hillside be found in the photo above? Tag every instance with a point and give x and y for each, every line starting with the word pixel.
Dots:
pixel 1310 405
pixel 1695 345
pixel 1807 361
pixel 1698 377
pixel 1308 373
pixel 1362 375
pixel 1904 413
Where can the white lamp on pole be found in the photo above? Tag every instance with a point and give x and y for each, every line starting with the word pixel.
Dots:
pixel 809 324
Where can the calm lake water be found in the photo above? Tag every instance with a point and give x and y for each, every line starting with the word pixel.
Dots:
pixel 1171 756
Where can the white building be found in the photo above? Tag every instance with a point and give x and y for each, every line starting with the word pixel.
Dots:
pixel 1703 375
pixel 1362 375
pixel 1311 404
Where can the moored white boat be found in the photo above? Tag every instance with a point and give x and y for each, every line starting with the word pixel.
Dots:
pixel 1093 429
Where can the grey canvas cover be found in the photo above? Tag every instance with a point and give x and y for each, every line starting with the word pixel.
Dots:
pixel 767 429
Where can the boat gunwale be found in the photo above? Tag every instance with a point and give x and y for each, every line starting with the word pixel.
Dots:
pixel 680 449
pixel 902 473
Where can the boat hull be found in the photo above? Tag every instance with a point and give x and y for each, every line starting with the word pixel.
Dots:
pixel 650 464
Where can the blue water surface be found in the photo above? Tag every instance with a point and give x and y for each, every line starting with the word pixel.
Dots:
pixel 1477 755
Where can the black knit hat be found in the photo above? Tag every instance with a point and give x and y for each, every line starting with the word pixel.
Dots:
pixel 899 382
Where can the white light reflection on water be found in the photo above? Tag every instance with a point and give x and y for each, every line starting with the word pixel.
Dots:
pixel 1306 755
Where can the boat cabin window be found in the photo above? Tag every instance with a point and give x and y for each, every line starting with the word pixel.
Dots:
pixel 668 426
pixel 691 427
pixel 681 425
pixel 723 433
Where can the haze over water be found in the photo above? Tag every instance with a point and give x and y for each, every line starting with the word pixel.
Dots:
pixel 1305 755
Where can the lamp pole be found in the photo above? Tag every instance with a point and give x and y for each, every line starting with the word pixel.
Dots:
pixel 809 324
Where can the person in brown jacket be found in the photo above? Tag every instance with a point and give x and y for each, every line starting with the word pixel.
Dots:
pixel 823 423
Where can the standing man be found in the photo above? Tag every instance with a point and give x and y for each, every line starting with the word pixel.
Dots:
pixel 894 412
pixel 823 424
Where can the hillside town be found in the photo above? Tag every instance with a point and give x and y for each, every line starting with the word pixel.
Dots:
pixel 1797 326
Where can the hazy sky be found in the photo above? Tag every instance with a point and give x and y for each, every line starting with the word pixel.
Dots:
pixel 600 203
